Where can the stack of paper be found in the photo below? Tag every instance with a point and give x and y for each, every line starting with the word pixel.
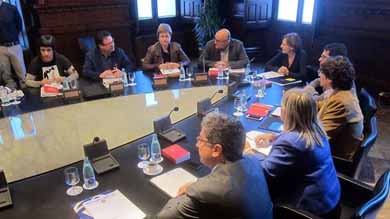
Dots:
pixel 171 181
pixel 170 71
pixel 277 111
pixel 251 137
pixel 108 81
pixel 112 205
pixel 271 74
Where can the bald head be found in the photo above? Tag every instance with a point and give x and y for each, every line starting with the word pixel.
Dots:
pixel 222 38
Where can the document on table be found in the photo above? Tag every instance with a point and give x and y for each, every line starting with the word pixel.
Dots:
pixel 114 205
pixel 171 181
pixel 271 74
pixel 251 137
pixel 170 71
pixel 276 112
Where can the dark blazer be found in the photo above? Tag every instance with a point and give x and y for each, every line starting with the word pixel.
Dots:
pixel 297 69
pixel 231 190
pixel 237 55
pixel 300 176
pixel 93 64
pixel 154 58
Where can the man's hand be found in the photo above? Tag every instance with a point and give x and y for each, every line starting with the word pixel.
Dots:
pixel 106 74
pixel 221 64
pixel 264 140
pixel 116 73
pixel 183 189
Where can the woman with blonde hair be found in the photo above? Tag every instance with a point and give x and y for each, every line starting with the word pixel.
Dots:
pixel 299 168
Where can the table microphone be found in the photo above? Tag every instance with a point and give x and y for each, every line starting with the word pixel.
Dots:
pixel 204 106
pixel 164 128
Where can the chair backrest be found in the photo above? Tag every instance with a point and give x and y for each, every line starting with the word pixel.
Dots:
pixel 367 104
pixel 87 43
pixel 381 191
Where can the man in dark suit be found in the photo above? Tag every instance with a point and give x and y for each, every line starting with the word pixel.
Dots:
pixel 235 188
pixel 224 52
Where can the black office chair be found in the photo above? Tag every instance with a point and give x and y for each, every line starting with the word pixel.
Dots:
pixel 358 200
pixel 352 167
pixel 86 43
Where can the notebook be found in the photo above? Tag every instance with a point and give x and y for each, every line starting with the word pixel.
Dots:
pixel 259 110
pixel 171 181
pixel 250 138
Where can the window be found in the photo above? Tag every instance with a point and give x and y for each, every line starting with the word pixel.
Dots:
pixel 144 9
pixel 23 36
pixel 286 10
pixel 165 8
pixel 299 11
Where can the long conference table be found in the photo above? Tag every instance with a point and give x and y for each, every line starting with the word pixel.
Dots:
pixel 39 138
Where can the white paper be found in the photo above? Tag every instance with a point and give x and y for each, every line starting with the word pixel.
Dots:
pixel 171 181
pixel 113 206
pixel 170 71
pixel 251 137
pixel 271 74
pixel 108 81
pixel 277 112
pixel 238 70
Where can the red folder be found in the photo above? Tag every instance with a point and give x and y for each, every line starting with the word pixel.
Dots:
pixel 259 110
pixel 51 89
pixel 213 72
pixel 176 153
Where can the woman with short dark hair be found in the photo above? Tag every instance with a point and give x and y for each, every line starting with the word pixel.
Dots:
pixel 164 54
pixel 291 60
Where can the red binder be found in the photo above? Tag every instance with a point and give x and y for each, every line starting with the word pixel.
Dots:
pixel 176 153
pixel 259 110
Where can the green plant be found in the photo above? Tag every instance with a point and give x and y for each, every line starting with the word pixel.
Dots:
pixel 208 22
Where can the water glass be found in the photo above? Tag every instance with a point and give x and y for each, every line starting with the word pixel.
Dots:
pixel 190 71
pixel 72 178
pixel 73 84
pixel 143 154
pixel 132 78
pixel 238 107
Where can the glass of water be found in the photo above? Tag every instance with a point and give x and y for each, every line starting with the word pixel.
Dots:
pixel 238 107
pixel 190 72
pixel 72 178
pixel 132 78
pixel 143 154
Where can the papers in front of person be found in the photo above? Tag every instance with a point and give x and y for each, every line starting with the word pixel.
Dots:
pixel 271 74
pixel 51 90
pixel 277 111
pixel 170 71
pixel 108 81
pixel 113 205
pixel 237 71
pixel 251 137
pixel 9 96
pixel 171 181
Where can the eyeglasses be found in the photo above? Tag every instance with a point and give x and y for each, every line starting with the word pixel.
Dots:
pixel 199 139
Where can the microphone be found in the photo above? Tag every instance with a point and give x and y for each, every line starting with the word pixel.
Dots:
pixel 218 92
pixel 164 128
pixel 175 109
pixel 204 65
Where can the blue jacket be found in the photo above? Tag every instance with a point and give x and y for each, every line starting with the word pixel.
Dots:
pixel 302 177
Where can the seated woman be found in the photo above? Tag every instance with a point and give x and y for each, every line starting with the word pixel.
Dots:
pixel 50 66
pixel 299 168
pixel 291 61
pixel 339 111
pixel 164 54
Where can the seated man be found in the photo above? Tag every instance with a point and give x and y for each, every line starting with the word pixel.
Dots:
pixel 6 78
pixel 224 52
pixel 50 66
pixel 235 188
pixel 331 49
pixel 339 111
pixel 106 61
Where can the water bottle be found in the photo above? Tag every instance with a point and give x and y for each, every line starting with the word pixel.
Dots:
pixel 244 101
pixel 261 92
pixel 182 76
pixel 248 77
pixel 88 175
pixel 155 150
pixel 124 78
pixel 65 84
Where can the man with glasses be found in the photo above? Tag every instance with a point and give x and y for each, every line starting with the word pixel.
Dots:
pixel 224 52
pixel 236 186
pixel 106 61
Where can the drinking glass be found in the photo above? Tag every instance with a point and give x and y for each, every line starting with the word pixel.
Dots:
pixel 143 154
pixel 238 107
pixel 73 84
pixel 72 178
pixel 190 71
pixel 132 78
